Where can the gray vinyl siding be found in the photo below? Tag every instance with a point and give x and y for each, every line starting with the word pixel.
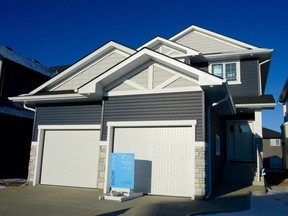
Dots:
pixel 91 72
pixel 217 126
pixel 249 80
pixel 156 107
pixel 67 115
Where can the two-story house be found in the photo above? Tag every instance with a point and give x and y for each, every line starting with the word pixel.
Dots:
pixel 188 107
pixel 18 75
pixel 272 149
pixel 283 99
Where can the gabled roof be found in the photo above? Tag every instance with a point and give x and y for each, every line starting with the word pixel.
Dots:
pixel 141 57
pixel 156 42
pixel 214 87
pixel 270 134
pixel 33 64
pixel 241 49
pixel 214 35
pixel 70 71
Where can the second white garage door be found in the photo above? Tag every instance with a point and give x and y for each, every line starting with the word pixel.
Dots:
pixel 70 158
pixel 163 158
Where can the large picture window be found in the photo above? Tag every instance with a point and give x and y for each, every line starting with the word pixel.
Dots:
pixel 226 70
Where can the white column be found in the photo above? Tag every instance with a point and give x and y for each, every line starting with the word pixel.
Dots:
pixel 258 124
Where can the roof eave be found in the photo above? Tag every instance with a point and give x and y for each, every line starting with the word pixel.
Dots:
pixel 37 99
pixel 257 106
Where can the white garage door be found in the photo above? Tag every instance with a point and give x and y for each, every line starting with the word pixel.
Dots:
pixel 70 158
pixel 163 158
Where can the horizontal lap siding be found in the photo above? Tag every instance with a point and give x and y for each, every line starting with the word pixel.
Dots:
pixel 217 127
pixel 249 80
pixel 156 107
pixel 67 115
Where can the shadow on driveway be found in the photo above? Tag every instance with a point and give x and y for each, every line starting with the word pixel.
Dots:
pixel 52 200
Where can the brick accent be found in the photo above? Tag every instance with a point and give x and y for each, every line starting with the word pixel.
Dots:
pixel 32 162
pixel 101 166
pixel 200 186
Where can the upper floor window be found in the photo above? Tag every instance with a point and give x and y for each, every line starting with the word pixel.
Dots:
pixel 226 70
pixel 275 142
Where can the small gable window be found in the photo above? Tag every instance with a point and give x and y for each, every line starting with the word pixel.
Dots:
pixel 226 70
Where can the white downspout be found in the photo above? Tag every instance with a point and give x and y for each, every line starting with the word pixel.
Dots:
pixel 28 108
pixel 209 145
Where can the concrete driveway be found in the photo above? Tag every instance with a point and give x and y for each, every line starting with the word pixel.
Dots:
pixel 52 200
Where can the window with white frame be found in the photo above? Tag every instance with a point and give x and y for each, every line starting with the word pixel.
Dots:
pixel 275 142
pixel 227 70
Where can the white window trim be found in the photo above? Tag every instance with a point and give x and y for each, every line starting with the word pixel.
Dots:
pixel 238 80
pixel 275 142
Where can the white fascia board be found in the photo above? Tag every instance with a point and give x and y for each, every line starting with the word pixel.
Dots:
pixel 152 123
pixel 41 98
pixel 259 105
pixel 158 40
pixel 110 46
pixel 238 54
pixel 69 127
pixel 214 35
pixel 141 57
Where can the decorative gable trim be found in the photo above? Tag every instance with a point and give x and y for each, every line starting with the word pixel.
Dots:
pixel 140 58
pixel 158 42
pixel 142 81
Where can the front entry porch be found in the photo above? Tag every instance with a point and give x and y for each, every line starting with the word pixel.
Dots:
pixel 241 145
pixel 244 162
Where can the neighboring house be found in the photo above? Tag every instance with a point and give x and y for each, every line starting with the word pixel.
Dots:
pixel 283 99
pixel 188 107
pixel 272 149
pixel 18 75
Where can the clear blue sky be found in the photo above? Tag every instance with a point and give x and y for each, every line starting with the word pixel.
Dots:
pixel 61 32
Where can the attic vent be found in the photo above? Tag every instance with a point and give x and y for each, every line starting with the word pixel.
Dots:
pixel 9 48
pixel 35 60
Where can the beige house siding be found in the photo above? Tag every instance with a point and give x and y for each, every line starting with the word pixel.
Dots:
pixel 206 44
pixel 91 72
pixel 151 77
pixel 270 151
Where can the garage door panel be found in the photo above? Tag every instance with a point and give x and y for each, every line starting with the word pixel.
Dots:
pixel 70 158
pixel 164 156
